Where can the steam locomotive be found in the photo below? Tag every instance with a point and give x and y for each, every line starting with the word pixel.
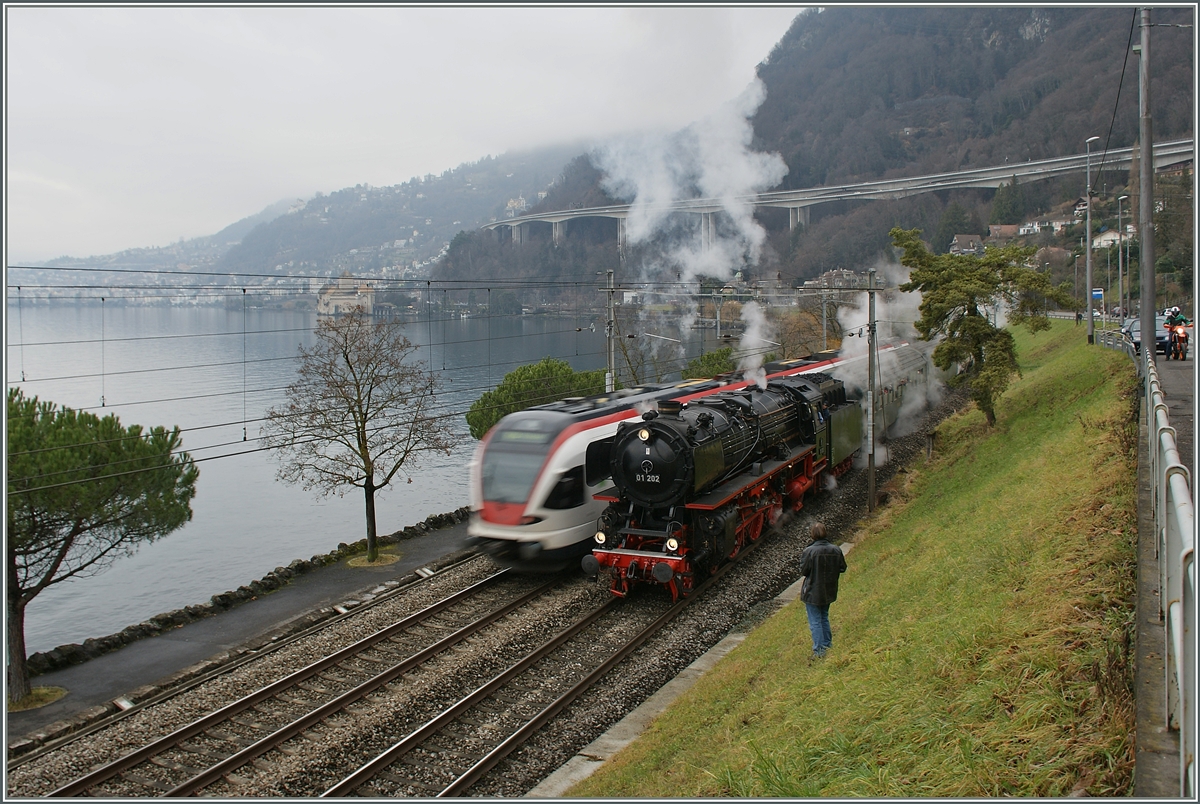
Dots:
pixel 694 483
pixel 536 475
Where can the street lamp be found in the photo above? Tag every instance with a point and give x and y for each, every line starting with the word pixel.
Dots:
pixel 1120 265
pixel 1091 325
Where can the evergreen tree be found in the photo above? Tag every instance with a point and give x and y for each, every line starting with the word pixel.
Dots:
pixel 1008 206
pixel 955 221
pixel 958 294
pixel 548 380
pixel 82 491
pixel 710 364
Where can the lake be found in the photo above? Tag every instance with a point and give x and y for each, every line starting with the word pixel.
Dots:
pixel 214 372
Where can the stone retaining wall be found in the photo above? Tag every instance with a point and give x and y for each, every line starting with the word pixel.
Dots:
pixel 67 655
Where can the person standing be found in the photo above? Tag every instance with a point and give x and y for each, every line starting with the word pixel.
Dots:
pixel 821 565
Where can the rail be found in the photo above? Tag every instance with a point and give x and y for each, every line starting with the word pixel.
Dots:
pixel 1174 528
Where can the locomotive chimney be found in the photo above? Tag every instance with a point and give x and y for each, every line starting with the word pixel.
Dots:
pixel 670 407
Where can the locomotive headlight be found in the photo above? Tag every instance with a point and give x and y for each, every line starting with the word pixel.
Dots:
pixel 644 434
pixel 600 537
pixel 672 545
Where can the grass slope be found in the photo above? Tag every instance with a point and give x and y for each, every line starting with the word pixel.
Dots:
pixel 982 635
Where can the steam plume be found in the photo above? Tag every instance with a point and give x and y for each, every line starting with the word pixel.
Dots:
pixel 754 343
pixel 710 159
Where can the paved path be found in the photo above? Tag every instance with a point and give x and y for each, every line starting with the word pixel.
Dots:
pixel 1157 759
pixel 1178 380
pixel 101 680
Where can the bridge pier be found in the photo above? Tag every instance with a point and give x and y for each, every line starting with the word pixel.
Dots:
pixel 558 231
pixel 797 216
pixel 707 234
pixel 621 236
pixel 517 233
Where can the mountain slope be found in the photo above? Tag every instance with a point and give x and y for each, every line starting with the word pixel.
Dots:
pixel 855 94
pixel 858 93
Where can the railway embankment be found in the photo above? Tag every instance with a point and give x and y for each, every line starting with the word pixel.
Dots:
pixel 983 635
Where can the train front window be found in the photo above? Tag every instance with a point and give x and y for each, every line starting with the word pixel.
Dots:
pixel 515 454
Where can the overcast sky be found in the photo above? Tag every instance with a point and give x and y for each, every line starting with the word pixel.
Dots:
pixel 131 127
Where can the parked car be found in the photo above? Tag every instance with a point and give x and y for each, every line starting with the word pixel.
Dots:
pixel 1161 336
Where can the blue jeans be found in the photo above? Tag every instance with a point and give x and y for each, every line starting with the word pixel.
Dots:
pixel 818 623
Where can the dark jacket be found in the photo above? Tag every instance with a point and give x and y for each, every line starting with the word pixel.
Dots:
pixel 821 563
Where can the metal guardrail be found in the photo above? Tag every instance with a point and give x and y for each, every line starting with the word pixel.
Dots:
pixel 1113 339
pixel 1174 526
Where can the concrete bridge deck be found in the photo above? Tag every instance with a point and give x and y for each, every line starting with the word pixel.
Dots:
pixel 799 201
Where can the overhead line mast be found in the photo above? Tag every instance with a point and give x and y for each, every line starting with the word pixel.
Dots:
pixel 1147 289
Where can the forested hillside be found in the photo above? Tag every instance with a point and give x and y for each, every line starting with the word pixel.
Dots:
pixel 365 229
pixel 854 94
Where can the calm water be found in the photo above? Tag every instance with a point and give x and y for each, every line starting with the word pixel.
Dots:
pixel 214 372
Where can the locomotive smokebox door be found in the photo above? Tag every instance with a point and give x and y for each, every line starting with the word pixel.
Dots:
pixel 652 461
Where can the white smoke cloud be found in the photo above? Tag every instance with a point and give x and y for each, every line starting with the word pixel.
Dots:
pixel 895 312
pixel 754 343
pixel 710 159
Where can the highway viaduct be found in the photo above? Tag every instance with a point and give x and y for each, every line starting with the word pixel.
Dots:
pixel 799 202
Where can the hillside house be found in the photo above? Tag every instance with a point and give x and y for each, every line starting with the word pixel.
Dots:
pixel 966 244
pixel 1106 238
pixel 1175 169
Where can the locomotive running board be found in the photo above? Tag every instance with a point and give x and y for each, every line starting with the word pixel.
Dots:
pixel 607 494
pixel 722 494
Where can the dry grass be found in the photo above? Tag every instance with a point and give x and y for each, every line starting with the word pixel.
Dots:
pixel 37 698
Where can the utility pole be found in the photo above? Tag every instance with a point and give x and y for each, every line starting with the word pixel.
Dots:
pixel 1122 278
pixel 717 301
pixel 824 321
pixel 1091 323
pixel 871 390
pixel 610 375
pixel 1146 196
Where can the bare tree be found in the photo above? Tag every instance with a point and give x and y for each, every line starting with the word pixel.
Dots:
pixel 645 359
pixel 799 332
pixel 359 412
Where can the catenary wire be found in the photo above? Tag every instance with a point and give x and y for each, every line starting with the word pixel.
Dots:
pixel 1116 103
pixel 442 416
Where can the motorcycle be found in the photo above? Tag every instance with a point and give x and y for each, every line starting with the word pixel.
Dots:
pixel 1178 344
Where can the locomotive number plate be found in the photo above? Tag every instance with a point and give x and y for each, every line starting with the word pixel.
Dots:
pixel 641 478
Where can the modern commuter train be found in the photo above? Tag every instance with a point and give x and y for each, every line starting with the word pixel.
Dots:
pixel 536 474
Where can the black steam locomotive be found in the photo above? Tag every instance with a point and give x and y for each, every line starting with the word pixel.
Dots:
pixel 694 483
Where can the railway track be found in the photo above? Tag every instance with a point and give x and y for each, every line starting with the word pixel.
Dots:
pixel 378 596
pixel 452 751
pixel 192 757
pixel 468 678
